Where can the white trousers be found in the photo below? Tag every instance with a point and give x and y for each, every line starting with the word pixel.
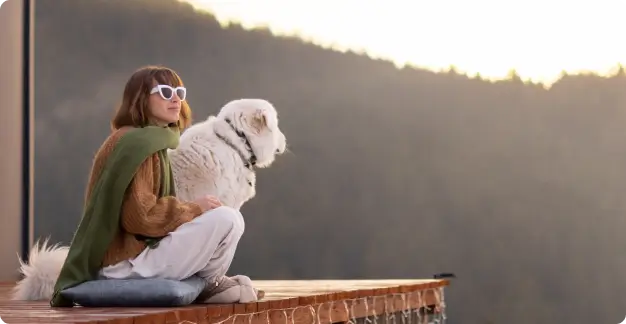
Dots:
pixel 204 246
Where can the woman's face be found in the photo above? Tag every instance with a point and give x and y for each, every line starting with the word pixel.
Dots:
pixel 165 103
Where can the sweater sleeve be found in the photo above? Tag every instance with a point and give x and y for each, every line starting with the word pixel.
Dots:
pixel 143 213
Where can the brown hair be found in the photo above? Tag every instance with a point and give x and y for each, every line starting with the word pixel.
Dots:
pixel 133 111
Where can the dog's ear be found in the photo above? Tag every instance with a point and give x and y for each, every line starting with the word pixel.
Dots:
pixel 259 119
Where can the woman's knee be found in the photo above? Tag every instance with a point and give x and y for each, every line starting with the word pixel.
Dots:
pixel 225 216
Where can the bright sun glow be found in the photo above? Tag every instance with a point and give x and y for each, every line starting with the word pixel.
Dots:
pixel 538 38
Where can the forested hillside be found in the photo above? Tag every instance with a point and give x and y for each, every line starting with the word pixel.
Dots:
pixel 392 173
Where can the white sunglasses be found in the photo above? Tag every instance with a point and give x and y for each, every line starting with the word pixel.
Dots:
pixel 167 92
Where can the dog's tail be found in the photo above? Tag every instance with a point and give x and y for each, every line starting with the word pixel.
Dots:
pixel 41 271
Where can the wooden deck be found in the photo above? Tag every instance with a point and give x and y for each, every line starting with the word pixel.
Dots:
pixel 285 302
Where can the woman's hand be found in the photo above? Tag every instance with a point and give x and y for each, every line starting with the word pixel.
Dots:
pixel 208 202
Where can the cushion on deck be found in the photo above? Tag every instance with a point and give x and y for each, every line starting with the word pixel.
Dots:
pixel 136 292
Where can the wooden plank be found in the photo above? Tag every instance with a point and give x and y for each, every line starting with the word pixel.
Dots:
pixel 300 301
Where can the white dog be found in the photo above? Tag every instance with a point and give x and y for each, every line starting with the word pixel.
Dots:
pixel 214 157
pixel 217 156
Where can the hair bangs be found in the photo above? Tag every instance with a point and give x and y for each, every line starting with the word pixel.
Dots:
pixel 168 77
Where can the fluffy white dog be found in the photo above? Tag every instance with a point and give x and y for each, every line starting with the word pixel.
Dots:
pixel 215 157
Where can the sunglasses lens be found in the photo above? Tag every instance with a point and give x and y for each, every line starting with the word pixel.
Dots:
pixel 166 93
pixel 181 93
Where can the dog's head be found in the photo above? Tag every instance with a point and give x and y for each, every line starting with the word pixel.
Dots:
pixel 258 120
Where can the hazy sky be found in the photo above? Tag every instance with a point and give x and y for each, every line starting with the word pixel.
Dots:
pixel 538 38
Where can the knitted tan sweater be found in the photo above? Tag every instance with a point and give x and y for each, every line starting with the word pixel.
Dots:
pixel 142 212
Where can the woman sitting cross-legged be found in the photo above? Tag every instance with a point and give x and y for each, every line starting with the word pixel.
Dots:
pixel 133 226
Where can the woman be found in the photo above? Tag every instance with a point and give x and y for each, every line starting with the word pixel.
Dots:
pixel 133 226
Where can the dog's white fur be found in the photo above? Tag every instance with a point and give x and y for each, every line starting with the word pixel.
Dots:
pixel 202 164
pixel 40 272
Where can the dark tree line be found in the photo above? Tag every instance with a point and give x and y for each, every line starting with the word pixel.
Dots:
pixel 393 173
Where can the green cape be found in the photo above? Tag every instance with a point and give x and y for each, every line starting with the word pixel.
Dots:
pixel 101 217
